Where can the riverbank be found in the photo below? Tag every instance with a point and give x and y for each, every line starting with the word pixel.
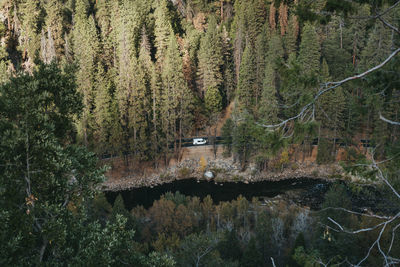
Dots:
pixel 219 170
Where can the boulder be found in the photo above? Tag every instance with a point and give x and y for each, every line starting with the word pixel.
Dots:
pixel 208 175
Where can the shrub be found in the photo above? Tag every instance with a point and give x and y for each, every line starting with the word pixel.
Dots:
pixel 203 164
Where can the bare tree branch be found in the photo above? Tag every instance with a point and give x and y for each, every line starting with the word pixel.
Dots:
pixel 383 225
pixel 388 24
pixel 387 120
pixel 393 235
pixel 328 87
pixel 337 224
pixel 273 262
pixel 382 177
pixel 356 213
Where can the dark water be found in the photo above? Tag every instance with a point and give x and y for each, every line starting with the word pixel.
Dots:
pixel 304 191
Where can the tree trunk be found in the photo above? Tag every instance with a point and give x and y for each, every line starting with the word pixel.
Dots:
pixel 180 137
pixel 215 142
pixel 222 11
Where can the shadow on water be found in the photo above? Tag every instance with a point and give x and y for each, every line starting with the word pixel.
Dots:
pixel 314 189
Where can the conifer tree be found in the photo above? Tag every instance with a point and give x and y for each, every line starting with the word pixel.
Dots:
pixel 116 137
pixel 124 95
pixel 140 111
pixel 132 90
pixel 162 30
pixel 269 103
pixel 176 97
pixel 292 34
pixel 377 48
pixel 30 33
pixel 334 48
pixel 104 17
pixel 54 26
pixel 4 62
pixel 102 113
pixel 153 89
pixel 378 44
pixel 238 31
pixel 213 100
pixel 247 79
pixel 210 59
pixel 309 53
pixel 191 46
pixel 358 31
pixel 261 48
pixel 331 110
pixel 85 51
pixel 255 18
pixel 3 56
pixel 228 68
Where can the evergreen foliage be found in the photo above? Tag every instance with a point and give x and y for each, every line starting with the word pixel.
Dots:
pixel 43 215
pixel 309 51
pixel 210 59
pixel 150 74
pixel 271 84
pixel 247 79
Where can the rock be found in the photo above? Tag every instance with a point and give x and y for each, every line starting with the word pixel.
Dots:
pixel 208 175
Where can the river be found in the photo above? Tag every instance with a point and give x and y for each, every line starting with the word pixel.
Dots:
pixel 305 191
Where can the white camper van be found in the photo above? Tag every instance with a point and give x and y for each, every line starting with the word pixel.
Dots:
pixel 199 141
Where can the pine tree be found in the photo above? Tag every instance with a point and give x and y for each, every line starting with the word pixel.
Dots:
pixel 191 46
pixel 261 48
pixel 238 31
pixel 331 108
pixel 133 105
pixel 213 101
pixel 210 59
pixel 334 48
pixel 269 103
pixel 255 19
pixel 54 28
pixel 132 91
pixel 4 62
pixel 162 30
pixel 309 53
pixel 153 90
pixel 30 35
pixel 377 48
pixel 378 44
pixel 176 97
pixel 102 113
pixel 292 34
pixel 140 111
pixel 85 50
pixel 104 16
pixel 229 85
pixel 4 74
pixel 247 78
pixel 116 138
pixel 358 30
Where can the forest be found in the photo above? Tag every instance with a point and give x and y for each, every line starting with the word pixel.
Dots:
pixel 152 72
pixel 84 78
